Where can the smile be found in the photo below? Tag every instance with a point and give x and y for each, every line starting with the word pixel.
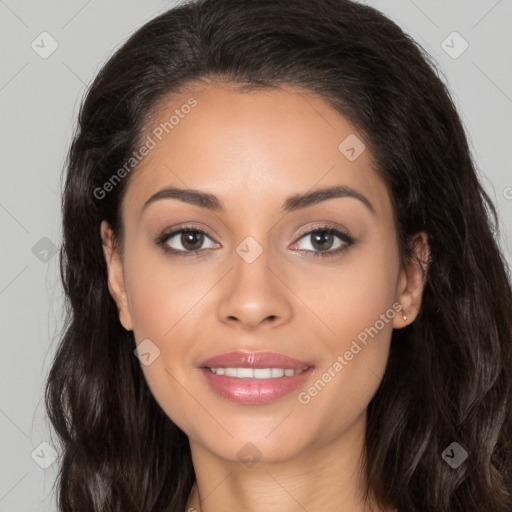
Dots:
pixel 256 373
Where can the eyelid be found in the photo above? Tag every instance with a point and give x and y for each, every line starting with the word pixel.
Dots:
pixel 173 230
pixel 320 226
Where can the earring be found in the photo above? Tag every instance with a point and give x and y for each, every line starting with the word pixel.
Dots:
pixel 404 316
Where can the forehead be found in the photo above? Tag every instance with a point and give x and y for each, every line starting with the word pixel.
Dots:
pixel 252 146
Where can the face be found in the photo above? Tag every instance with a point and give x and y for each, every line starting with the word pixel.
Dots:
pixel 254 271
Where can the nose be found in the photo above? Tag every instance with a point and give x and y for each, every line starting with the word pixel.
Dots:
pixel 255 294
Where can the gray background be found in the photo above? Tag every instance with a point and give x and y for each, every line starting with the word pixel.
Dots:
pixel 39 99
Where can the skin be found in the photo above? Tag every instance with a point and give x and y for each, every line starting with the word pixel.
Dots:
pixel 253 150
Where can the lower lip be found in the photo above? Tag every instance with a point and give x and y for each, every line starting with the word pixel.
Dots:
pixel 254 391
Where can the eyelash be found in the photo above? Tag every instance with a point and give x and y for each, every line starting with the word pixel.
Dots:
pixel 344 237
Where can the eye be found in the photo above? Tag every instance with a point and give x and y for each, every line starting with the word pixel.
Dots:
pixel 189 242
pixel 322 240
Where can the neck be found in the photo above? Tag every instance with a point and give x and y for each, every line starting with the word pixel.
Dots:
pixel 325 477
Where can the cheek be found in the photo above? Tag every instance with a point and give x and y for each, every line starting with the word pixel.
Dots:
pixel 350 296
pixel 160 292
pixel 365 314
pixel 357 323
pixel 166 308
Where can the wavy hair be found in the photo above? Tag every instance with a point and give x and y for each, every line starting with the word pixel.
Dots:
pixel 449 374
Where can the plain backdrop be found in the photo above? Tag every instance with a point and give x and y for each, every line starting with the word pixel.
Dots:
pixel 50 51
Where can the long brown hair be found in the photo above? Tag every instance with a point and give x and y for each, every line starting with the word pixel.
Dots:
pixel 449 373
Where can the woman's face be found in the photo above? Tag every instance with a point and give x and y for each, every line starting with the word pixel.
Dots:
pixel 257 281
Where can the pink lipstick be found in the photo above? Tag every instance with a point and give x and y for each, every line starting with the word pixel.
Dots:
pixel 254 377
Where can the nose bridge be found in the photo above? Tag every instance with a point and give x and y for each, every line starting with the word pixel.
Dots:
pixel 254 294
pixel 252 262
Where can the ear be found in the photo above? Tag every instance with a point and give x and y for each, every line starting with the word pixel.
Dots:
pixel 412 280
pixel 116 284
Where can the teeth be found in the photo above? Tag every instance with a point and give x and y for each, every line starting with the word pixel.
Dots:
pixel 256 373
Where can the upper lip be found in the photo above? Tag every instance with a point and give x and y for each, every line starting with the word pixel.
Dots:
pixel 241 359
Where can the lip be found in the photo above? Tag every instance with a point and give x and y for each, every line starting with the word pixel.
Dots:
pixel 252 391
pixel 241 359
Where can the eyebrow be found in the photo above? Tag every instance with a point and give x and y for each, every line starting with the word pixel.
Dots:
pixel 292 203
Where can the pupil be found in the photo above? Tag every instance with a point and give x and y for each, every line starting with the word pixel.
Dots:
pixel 191 237
pixel 321 237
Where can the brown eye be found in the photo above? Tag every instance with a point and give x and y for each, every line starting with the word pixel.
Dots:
pixel 322 240
pixel 184 240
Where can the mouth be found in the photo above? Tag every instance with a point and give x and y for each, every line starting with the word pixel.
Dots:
pixel 254 378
